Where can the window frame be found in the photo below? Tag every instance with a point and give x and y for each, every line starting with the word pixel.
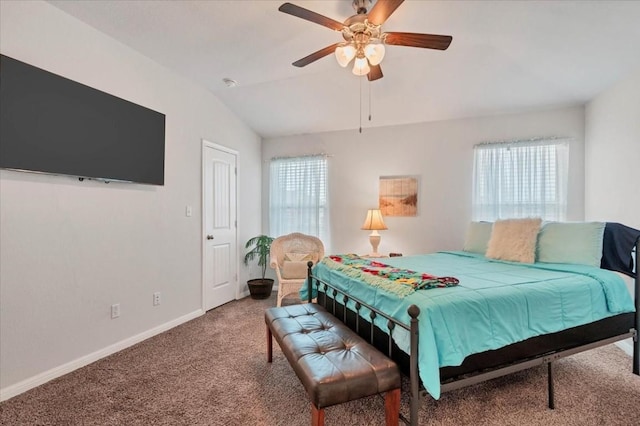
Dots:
pixel 520 179
pixel 304 194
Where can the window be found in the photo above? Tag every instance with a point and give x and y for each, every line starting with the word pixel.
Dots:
pixel 298 199
pixel 520 179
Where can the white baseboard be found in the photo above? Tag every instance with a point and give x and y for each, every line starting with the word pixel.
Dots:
pixel 32 382
pixel 626 345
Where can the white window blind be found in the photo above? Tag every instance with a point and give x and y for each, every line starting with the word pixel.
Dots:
pixel 521 179
pixel 298 198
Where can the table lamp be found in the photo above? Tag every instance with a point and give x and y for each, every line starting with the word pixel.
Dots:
pixel 374 223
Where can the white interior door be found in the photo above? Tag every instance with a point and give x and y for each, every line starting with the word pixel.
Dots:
pixel 220 262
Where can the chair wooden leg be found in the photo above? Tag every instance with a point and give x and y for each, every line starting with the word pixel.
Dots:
pixel 269 345
pixel 392 407
pixel 317 416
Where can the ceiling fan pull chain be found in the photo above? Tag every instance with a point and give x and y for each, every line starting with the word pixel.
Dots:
pixel 369 100
pixel 360 104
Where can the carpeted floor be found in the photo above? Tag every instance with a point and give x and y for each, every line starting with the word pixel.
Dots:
pixel 213 371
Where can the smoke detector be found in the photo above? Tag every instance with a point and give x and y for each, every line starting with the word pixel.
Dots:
pixel 229 82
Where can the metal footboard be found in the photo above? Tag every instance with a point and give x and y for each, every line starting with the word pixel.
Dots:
pixel 324 288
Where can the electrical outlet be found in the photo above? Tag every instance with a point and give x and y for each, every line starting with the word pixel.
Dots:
pixel 115 310
pixel 156 298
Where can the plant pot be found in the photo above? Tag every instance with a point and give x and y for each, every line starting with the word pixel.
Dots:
pixel 260 288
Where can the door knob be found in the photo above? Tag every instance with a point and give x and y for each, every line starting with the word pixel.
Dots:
pixel 209 237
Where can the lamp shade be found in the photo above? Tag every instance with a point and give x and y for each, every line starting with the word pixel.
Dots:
pixel 344 54
pixel 374 53
pixel 374 220
pixel 361 66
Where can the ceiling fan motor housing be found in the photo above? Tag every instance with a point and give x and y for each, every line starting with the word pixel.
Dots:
pixel 359 30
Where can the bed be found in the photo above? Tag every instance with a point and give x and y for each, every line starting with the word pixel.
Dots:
pixel 477 318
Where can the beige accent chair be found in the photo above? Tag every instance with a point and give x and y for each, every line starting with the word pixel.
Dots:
pixel 289 257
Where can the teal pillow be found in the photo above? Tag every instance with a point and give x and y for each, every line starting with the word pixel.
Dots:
pixel 478 235
pixel 571 242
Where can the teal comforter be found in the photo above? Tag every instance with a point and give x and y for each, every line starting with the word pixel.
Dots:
pixel 496 304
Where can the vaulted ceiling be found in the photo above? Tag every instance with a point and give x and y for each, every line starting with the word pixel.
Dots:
pixel 506 56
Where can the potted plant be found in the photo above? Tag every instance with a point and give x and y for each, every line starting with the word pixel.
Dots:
pixel 259 248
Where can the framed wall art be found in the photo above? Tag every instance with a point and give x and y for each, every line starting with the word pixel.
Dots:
pixel 398 195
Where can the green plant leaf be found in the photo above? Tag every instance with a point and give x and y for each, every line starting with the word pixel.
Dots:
pixel 260 247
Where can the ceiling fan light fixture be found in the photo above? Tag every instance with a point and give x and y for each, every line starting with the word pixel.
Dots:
pixel 344 54
pixel 374 53
pixel 361 66
pixel 363 36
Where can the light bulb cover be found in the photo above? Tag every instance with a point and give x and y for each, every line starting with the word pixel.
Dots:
pixel 361 66
pixel 374 53
pixel 344 54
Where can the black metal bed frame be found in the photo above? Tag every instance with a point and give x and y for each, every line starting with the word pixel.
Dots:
pixel 330 303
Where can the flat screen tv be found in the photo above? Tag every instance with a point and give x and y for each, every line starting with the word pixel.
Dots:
pixel 51 124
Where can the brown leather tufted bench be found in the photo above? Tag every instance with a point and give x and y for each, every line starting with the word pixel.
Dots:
pixel 334 364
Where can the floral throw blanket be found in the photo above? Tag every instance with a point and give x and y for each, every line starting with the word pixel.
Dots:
pixel 401 282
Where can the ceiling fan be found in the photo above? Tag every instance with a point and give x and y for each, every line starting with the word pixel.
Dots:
pixel 364 38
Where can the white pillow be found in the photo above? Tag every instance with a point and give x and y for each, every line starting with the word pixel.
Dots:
pixel 514 240
pixel 298 257
pixel 294 269
pixel 477 238
pixel 571 242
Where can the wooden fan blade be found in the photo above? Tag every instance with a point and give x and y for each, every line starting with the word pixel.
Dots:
pixel 303 13
pixel 316 55
pixel 427 41
pixel 375 73
pixel 382 10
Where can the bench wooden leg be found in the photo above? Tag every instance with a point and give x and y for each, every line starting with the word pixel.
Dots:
pixel 269 345
pixel 392 407
pixel 317 416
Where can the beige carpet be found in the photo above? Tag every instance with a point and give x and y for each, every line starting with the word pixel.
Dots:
pixel 213 371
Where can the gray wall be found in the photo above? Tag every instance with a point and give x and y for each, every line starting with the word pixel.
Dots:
pixel 612 155
pixel 70 249
pixel 441 154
